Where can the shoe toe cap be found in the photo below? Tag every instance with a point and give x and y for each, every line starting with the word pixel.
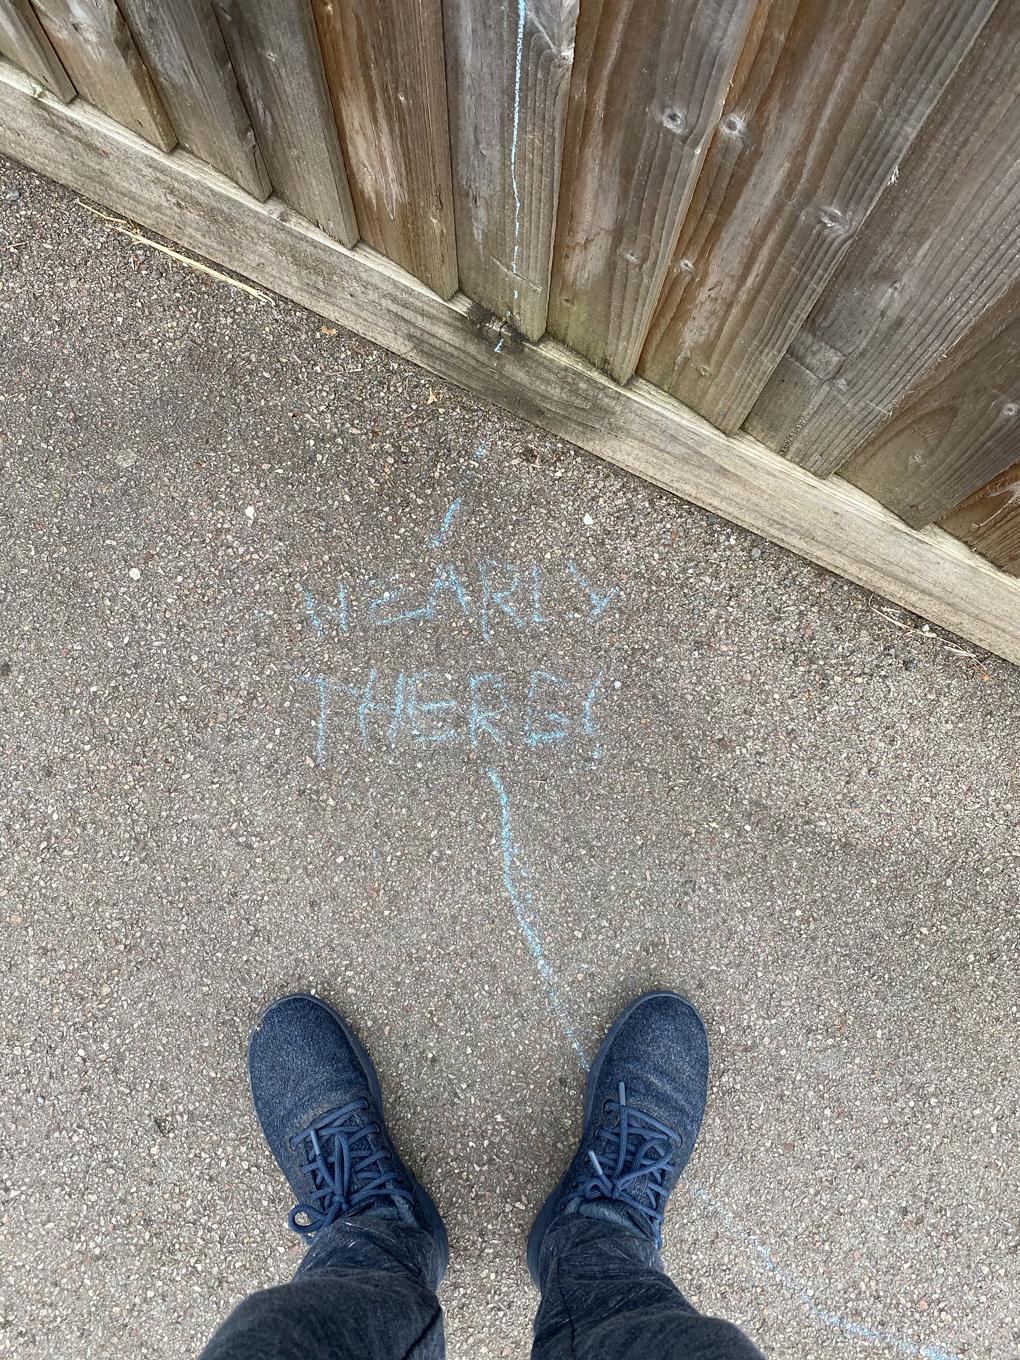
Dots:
pixel 660 1052
pixel 301 1064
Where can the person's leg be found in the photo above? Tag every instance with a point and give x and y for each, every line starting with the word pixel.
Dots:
pixel 363 1292
pixel 594 1249
pixel 366 1290
pixel 604 1295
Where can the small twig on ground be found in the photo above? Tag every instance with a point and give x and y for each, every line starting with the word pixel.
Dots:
pixel 122 225
pixel 930 636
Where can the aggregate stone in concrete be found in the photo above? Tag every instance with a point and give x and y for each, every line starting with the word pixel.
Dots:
pixel 317 673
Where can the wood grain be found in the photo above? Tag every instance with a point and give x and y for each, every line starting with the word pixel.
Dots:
pixel 508 74
pixel 989 520
pixel 638 428
pixel 959 428
pixel 96 49
pixel 274 50
pixel 185 54
pixel 23 40
pixel 941 247
pixel 648 83
pixel 836 108
pixel 385 67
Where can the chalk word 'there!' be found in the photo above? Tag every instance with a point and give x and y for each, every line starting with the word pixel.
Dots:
pixel 428 708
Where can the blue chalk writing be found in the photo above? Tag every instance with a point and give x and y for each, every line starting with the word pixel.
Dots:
pixel 325 688
pixel 447 579
pixel 598 602
pixel 530 931
pixel 589 725
pixel 537 617
pixel 500 598
pixel 479 718
pixel 562 722
pixel 387 598
pixel 502 588
pixel 413 705
pixel 338 614
pixel 369 704
pixel 476 707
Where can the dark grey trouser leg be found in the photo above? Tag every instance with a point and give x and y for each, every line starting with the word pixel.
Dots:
pixel 605 1297
pixel 361 1293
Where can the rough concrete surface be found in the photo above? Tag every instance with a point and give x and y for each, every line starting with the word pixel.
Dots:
pixel 733 777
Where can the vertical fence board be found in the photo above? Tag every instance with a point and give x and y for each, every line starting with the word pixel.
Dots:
pixel 508 74
pixel 989 521
pixel 648 83
pixel 958 429
pixel 385 67
pixel 852 87
pixel 96 49
pixel 23 40
pixel 274 50
pixel 721 184
pixel 941 247
pixel 187 59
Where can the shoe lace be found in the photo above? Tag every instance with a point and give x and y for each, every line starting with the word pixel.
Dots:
pixel 641 1148
pixel 349 1167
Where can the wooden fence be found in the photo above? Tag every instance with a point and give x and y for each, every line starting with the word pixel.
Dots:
pixel 765 253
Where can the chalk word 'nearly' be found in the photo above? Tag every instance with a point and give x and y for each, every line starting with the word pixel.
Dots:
pixel 501 589
pixel 420 708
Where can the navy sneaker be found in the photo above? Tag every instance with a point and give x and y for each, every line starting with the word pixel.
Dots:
pixel 643 1106
pixel 319 1105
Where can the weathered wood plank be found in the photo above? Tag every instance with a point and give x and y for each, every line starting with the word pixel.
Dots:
pixel 990 520
pixel 850 88
pixel 96 49
pixel 939 249
pixel 23 40
pixel 185 54
pixel 385 67
pixel 508 75
pixel 274 50
pixel 959 428
pixel 648 83
pixel 638 428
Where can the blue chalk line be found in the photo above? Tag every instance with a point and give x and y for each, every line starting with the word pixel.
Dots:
pixel 869 1334
pixel 531 933
pixel 310 606
pixel 447 521
pixel 521 15
pixel 451 514
pixel 764 1256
